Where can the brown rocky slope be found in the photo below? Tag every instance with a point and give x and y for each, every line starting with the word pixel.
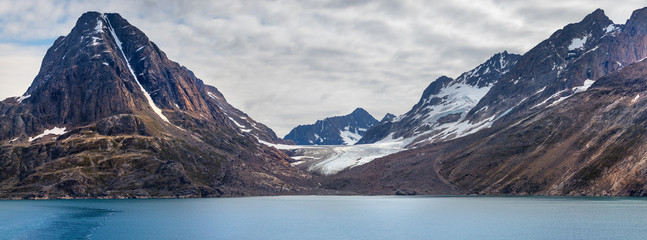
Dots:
pixel 110 116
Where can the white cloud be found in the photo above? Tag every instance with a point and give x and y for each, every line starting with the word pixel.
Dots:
pixel 292 62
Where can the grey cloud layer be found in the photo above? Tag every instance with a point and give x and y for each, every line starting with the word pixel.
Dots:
pixel 292 62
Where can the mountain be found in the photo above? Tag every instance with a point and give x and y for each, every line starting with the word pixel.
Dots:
pixel 339 130
pixel 575 140
pixel 444 104
pixel 387 117
pixel 109 115
pixel 569 61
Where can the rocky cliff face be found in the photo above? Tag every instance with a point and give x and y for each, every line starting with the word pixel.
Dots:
pixel 339 130
pixel 444 105
pixel 109 115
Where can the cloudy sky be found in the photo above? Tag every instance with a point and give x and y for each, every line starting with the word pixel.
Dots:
pixel 287 63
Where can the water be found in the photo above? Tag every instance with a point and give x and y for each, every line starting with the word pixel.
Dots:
pixel 328 217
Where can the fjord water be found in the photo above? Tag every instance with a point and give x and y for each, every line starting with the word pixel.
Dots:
pixel 327 217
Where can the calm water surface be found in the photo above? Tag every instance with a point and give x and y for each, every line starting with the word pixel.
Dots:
pixel 328 217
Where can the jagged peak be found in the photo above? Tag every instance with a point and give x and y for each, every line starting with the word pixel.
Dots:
pixel 501 56
pixel 435 86
pixel 359 110
pixel 388 117
pixel 637 23
pixel 497 64
pixel 579 36
pixel 596 15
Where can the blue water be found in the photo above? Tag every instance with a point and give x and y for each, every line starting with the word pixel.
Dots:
pixel 328 217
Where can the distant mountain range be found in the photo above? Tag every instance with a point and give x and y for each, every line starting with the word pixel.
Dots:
pixel 339 130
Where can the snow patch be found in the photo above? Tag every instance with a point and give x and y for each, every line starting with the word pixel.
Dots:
pixel 157 110
pixel 504 113
pixel 242 127
pixel 587 85
pixel 212 95
pixel 55 131
pixel 95 41
pixel 559 100
pixel 237 124
pixel 577 43
pixel 549 98
pixel 635 99
pixel 611 28
pixel 99 27
pixel 349 137
pixel 22 98
pixel 140 48
pixel 540 90
pixel 105 63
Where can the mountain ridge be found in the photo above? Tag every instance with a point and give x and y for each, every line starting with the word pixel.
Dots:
pixel 337 130
pixel 444 104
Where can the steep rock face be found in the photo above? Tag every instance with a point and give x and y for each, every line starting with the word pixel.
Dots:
pixel 109 115
pixel 339 130
pixel 569 61
pixel 444 104
pixel 81 81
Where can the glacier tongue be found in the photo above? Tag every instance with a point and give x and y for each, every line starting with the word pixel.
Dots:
pixel 331 159
pixel 157 110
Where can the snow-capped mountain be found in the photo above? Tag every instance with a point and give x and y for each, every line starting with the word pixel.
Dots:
pixel 569 61
pixel 339 130
pixel 571 121
pixel 444 104
pixel 109 115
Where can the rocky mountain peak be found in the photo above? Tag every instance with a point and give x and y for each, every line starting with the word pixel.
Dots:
pixel 596 16
pixel 490 71
pixel 637 23
pixel 360 112
pixel 387 117
pixel 444 103
pixel 142 124
pixel 338 130
pixel 434 87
